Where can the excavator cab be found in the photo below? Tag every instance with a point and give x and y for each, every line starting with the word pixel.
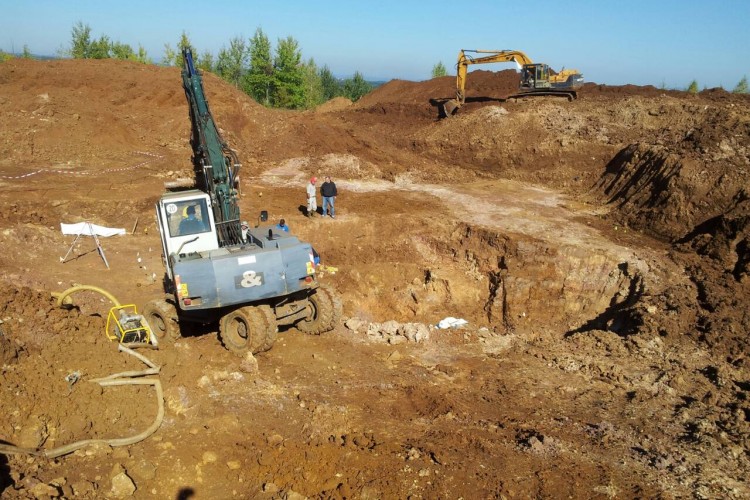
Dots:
pixel 535 76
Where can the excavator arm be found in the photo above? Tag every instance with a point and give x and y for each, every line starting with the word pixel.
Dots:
pixel 216 165
pixel 495 56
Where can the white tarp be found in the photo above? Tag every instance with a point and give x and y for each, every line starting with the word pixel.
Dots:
pixel 451 322
pixel 89 229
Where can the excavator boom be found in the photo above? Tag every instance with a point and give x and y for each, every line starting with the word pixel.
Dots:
pixel 216 165
pixel 494 56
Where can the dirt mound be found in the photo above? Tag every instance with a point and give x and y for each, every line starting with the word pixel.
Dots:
pixel 95 110
pixel 694 174
pixel 595 89
pixel 335 104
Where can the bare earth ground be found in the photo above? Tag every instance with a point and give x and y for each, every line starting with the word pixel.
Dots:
pixel 599 250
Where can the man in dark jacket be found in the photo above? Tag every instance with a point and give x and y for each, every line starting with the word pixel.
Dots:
pixel 328 192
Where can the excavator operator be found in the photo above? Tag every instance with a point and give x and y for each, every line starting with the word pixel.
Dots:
pixel 191 224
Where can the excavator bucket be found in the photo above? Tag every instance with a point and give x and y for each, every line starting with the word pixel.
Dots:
pixel 450 107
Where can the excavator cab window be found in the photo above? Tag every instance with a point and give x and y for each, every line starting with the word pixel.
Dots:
pixel 187 217
pixel 542 72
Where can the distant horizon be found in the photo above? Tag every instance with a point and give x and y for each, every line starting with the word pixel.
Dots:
pixel 377 83
pixel 665 44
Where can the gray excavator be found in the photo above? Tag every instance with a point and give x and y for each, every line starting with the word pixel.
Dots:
pixel 250 280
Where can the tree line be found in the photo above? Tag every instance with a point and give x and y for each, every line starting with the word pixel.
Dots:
pixel 275 77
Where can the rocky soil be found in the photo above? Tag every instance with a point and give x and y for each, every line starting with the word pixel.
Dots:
pixel 599 251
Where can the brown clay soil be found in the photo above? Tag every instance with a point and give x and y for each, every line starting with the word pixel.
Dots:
pixel 599 250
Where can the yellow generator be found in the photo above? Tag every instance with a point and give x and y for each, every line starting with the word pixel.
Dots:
pixel 125 325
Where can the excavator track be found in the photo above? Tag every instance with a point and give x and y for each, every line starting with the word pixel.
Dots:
pixel 569 94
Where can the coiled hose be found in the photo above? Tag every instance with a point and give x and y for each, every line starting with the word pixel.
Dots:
pixel 123 378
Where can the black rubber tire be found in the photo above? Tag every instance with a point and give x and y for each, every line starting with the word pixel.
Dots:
pixel 161 316
pixel 244 330
pixel 272 328
pixel 325 312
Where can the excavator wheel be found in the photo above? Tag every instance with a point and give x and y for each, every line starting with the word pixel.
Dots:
pixel 246 330
pixel 324 314
pixel 161 316
pixel 272 328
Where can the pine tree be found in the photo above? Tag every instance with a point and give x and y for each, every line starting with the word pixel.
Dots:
pixel 313 86
pixel 693 88
pixel 741 87
pixel 356 87
pixel 206 61
pixel 173 57
pixel 439 70
pixel 122 51
pixel 331 86
pixel 142 56
pixel 80 45
pixel 288 76
pixel 100 49
pixel 231 63
pixel 258 80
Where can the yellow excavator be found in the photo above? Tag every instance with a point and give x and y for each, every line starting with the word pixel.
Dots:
pixel 537 79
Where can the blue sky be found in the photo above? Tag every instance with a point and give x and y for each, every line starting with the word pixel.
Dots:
pixel 656 42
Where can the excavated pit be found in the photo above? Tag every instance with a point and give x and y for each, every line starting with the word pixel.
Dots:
pixel 522 260
pixel 531 285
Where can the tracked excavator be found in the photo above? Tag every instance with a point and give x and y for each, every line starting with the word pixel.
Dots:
pixel 537 79
pixel 218 268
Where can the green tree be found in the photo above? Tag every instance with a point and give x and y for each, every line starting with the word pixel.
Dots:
pixel 439 70
pixel 26 54
pixel 142 55
pixel 170 55
pixel 356 87
pixel 80 46
pixel 206 61
pixel 4 56
pixel 100 49
pixel 741 87
pixel 122 51
pixel 331 86
pixel 185 44
pixel 231 63
pixel 313 87
pixel 288 76
pixel 258 81
pixel 693 88
pixel 173 57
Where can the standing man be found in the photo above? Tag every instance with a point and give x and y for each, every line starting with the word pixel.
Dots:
pixel 328 192
pixel 312 202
